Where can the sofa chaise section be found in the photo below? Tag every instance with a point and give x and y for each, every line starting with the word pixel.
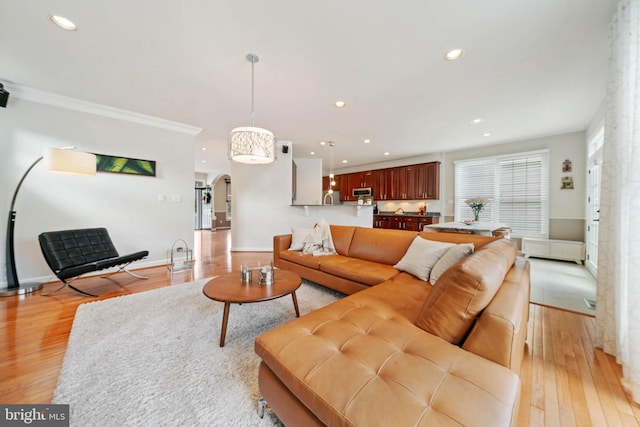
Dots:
pixel 365 361
pixel 361 363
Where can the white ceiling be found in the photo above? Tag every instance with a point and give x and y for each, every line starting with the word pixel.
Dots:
pixel 530 68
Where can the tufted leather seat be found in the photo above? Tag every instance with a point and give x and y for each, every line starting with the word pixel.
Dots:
pixel 359 362
pixel 403 351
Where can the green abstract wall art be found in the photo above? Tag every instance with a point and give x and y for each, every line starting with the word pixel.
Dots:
pixel 115 164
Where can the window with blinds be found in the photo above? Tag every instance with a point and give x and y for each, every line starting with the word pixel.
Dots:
pixel 517 186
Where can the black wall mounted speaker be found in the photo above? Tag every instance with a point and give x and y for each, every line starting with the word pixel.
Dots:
pixel 285 149
pixel 4 96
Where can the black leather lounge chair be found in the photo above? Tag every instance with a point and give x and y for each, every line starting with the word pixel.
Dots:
pixel 72 253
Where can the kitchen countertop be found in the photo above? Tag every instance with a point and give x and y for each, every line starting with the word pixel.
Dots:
pixel 411 214
pixel 483 228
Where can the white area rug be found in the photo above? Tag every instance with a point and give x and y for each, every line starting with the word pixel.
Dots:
pixel 562 284
pixel 153 358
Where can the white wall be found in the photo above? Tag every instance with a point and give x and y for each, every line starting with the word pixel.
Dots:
pixel 199 176
pixel 220 195
pixel 128 206
pixel 308 182
pixel 261 205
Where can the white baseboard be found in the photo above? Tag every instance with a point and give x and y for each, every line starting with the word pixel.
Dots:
pixel 52 278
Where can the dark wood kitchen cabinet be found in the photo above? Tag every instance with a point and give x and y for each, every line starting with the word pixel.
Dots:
pixel 381 221
pixel 325 183
pixel 345 188
pixel 379 184
pixel 427 181
pixel 400 222
pixel 349 181
pixel 360 179
pixel 412 182
pixel 404 183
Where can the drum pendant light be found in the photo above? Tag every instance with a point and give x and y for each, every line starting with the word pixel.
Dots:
pixel 251 144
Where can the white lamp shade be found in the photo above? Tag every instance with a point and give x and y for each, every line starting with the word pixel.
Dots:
pixel 70 162
pixel 252 145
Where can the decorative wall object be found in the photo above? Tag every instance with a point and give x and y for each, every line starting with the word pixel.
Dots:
pixel 566 166
pixel 567 183
pixel 126 165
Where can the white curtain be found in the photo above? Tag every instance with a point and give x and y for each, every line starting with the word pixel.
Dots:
pixel 618 295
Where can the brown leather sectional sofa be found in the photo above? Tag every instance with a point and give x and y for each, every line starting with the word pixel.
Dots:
pixel 398 350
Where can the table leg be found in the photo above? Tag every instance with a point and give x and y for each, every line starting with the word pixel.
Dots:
pixel 225 320
pixel 295 303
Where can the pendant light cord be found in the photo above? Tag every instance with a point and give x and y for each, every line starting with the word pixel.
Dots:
pixel 253 58
pixel 253 63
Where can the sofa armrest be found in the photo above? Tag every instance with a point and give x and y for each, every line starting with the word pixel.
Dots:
pixel 500 332
pixel 281 243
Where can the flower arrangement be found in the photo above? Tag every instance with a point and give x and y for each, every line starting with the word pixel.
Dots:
pixel 477 204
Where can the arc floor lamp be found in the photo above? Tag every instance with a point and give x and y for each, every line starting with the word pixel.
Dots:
pixel 58 160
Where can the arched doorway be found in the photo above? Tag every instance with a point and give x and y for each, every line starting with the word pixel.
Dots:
pixel 221 203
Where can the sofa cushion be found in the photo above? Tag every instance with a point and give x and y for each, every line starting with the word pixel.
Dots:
pixel 404 293
pixel 421 256
pixel 306 260
pixel 464 290
pixel 380 245
pixel 452 256
pixel 297 238
pixel 359 362
pixel 342 235
pixel 359 270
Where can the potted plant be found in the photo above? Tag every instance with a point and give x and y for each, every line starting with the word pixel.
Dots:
pixel 361 200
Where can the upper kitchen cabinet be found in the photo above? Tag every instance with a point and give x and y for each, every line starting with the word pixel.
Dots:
pixel 412 182
pixel 353 180
pixel 379 184
pixel 403 182
pixel 427 181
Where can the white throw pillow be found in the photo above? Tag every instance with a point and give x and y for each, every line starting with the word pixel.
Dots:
pixel 452 256
pixel 297 237
pixel 421 256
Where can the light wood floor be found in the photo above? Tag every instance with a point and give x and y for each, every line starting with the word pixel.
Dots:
pixel 565 380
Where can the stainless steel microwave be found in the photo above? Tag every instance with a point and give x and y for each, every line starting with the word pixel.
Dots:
pixel 366 192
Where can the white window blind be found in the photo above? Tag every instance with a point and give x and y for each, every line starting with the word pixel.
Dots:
pixel 517 186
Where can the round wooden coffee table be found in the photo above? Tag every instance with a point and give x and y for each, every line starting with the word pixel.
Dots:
pixel 228 288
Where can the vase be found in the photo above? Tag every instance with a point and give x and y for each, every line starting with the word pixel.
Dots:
pixel 476 216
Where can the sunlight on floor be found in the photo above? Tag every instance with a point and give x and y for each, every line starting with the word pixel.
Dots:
pixel 562 284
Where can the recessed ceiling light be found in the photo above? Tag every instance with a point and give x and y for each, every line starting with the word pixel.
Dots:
pixel 345 161
pixel 476 121
pixel 203 161
pixel 454 54
pixel 340 104
pixel 204 148
pixel 366 141
pixel 386 153
pixel 63 22
pixel 323 142
pixel 313 153
pixel 486 134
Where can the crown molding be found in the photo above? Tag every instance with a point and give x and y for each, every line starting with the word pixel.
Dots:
pixel 43 97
